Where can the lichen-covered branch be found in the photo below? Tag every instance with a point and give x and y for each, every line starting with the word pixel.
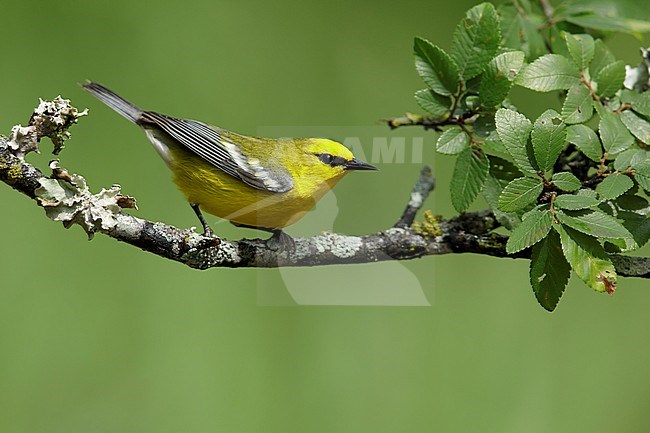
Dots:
pixel 66 198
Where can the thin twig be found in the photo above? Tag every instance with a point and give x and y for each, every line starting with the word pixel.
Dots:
pixel 419 194
pixel 592 92
pixel 428 122
pixel 547 9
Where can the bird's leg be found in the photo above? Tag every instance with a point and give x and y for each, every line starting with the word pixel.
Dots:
pixel 282 239
pixel 279 239
pixel 207 231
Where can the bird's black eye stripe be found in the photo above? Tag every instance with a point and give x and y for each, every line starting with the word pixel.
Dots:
pixel 328 159
pixel 325 158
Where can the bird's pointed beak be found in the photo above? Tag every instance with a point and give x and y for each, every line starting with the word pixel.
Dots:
pixel 355 164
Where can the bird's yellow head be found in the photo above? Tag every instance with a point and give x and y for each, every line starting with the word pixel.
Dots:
pixel 328 160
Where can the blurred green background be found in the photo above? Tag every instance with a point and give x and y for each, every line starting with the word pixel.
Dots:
pixel 101 337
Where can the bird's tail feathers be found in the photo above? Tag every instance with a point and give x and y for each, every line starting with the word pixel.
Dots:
pixel 113 100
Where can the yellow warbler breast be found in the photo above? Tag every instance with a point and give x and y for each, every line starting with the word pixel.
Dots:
pixel 222 195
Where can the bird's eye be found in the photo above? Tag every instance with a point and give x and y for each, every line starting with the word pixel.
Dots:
pixel 326 158
pixel 331 160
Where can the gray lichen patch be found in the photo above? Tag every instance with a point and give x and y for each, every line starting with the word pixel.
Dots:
pixel 416 199
pixel 396 232
pixel 346 246
pixel 168 233
pixel 338 245
pixel 50 119
pixel 227 252
pixel 23 139
pixel 53 118
pixel 220 253
pixel 129 227
pixel 71 202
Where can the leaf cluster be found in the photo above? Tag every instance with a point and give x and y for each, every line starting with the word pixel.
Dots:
pixel 572 185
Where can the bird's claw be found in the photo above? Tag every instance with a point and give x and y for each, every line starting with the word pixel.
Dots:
pixel 280 241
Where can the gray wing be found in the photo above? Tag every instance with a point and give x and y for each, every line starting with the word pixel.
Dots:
pixel 216 149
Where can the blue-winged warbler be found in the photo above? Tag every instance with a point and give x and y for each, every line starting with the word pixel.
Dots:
pixel 263 183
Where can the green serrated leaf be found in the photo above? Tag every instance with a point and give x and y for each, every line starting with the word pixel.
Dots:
pixel 557 42
pixel 614 134
pixel 525 7
pixel 640 102
pixel 608 23
pixel 637 126
pixel 600 109
pixel 532 42
pixel 534 227
pixel 494 147
pixel 472 102
pixel 602 58
pixel 587 193
pixel 566 181
pixel 454 140
pixel 498 77
pixel 433 103
pixel 435 67
pixel 640 161
pixel 476 40
pixel 548 137
pixel 485 127
pixel 504 170
pixel 491 192
pixel 610 78
pixel 578 106
pixel 638 225
pixel 514 129
pixel 468 179
pixel 588 260
pixel 643 181
pixel 549 271
pixel 594 223
pixel 624 159
pixel 510 27
pixel 520 193
pixel 585 139
pixel 581 48
pixel 633 202
pixel 575 202
pixel 549 72
pixel 614 185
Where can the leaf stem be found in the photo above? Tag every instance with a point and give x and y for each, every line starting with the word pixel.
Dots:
pixel 470 133
pixel 624 106
pixel 547 9
pixel 603 166
pixel 592 92
pixel 520 9
pixel 552 208
pixel 545 180
pixel 456 98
